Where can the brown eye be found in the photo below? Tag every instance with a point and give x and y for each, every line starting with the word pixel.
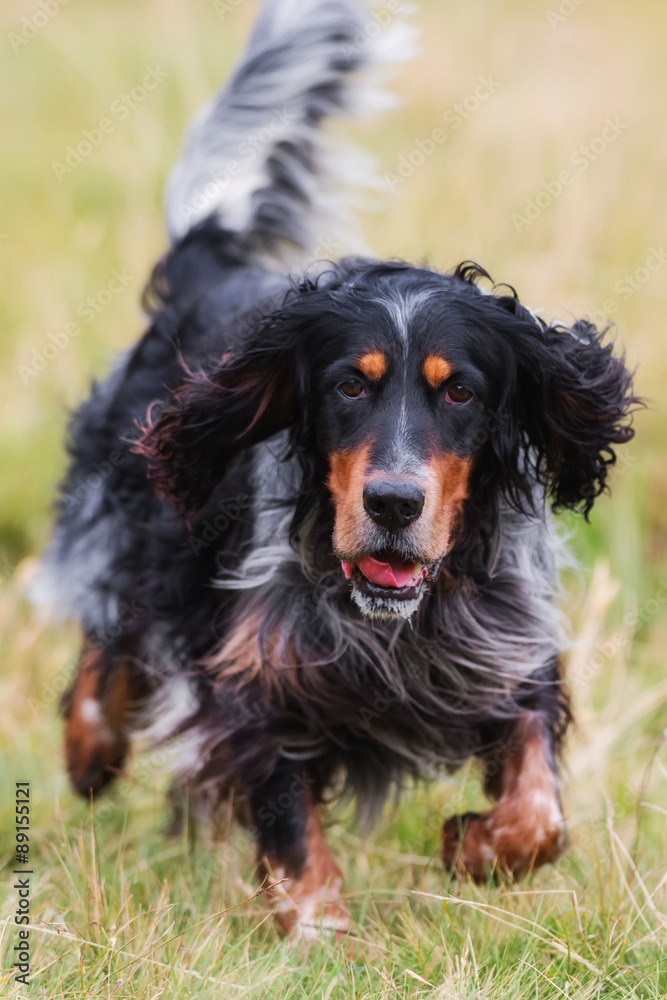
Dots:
pixel 457 393
pixel 352 389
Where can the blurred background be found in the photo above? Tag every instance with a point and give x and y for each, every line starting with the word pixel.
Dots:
pixel 531 138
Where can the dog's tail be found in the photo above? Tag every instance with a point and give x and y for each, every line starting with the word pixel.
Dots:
pixel 254 158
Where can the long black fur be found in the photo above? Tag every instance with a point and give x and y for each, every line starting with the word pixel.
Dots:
pixel 234 373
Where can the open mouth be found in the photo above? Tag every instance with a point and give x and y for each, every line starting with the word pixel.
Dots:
pixel 387 585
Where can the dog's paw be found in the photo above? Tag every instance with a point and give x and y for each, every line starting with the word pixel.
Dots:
pixel 331 923
pixel 313 917
pixel 466 848
pixel 503 840
pixel 93 759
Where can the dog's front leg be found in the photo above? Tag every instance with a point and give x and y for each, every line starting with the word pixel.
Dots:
pixel 96 717
pixel 293 851
pixel 525 829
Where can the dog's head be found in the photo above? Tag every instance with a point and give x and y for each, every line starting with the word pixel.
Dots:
pixel 416 401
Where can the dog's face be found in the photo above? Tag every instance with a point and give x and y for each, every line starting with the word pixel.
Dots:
pixel 416 403
pixel 404 409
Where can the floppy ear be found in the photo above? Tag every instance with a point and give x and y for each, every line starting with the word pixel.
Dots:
pixel 573 402
pixel 566 399
pixel 258 390
pixel 213 416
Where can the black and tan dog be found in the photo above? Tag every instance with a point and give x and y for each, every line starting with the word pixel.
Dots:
pixel 306 525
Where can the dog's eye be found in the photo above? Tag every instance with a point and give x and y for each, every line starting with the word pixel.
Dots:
pixel 352 389
pixel 457 393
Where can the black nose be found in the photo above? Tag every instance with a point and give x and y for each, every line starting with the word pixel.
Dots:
pixel 392 503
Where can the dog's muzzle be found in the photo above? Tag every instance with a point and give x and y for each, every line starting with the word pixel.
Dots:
pixel 387 585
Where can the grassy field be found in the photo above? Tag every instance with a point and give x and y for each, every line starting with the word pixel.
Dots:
pixel 119 909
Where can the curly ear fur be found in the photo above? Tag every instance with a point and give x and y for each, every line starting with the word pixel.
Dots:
pixel 572 402
pixel 210 418
pixel 246 398
pixel 586 398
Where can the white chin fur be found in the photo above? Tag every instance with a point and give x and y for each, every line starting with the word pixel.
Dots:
pixel 386 607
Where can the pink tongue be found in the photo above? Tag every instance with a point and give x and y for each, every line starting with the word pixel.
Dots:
pixel 398 573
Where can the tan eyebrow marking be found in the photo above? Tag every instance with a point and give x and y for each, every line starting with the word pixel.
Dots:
pixel 436 370
pixel 373 365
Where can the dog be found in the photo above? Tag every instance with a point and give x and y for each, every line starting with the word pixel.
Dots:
pixel 307 528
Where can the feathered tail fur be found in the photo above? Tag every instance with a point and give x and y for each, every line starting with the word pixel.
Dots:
pixel 255 158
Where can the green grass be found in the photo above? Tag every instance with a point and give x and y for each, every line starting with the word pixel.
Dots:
pixel 120 909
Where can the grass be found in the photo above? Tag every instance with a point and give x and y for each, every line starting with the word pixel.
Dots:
pixel 120 909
